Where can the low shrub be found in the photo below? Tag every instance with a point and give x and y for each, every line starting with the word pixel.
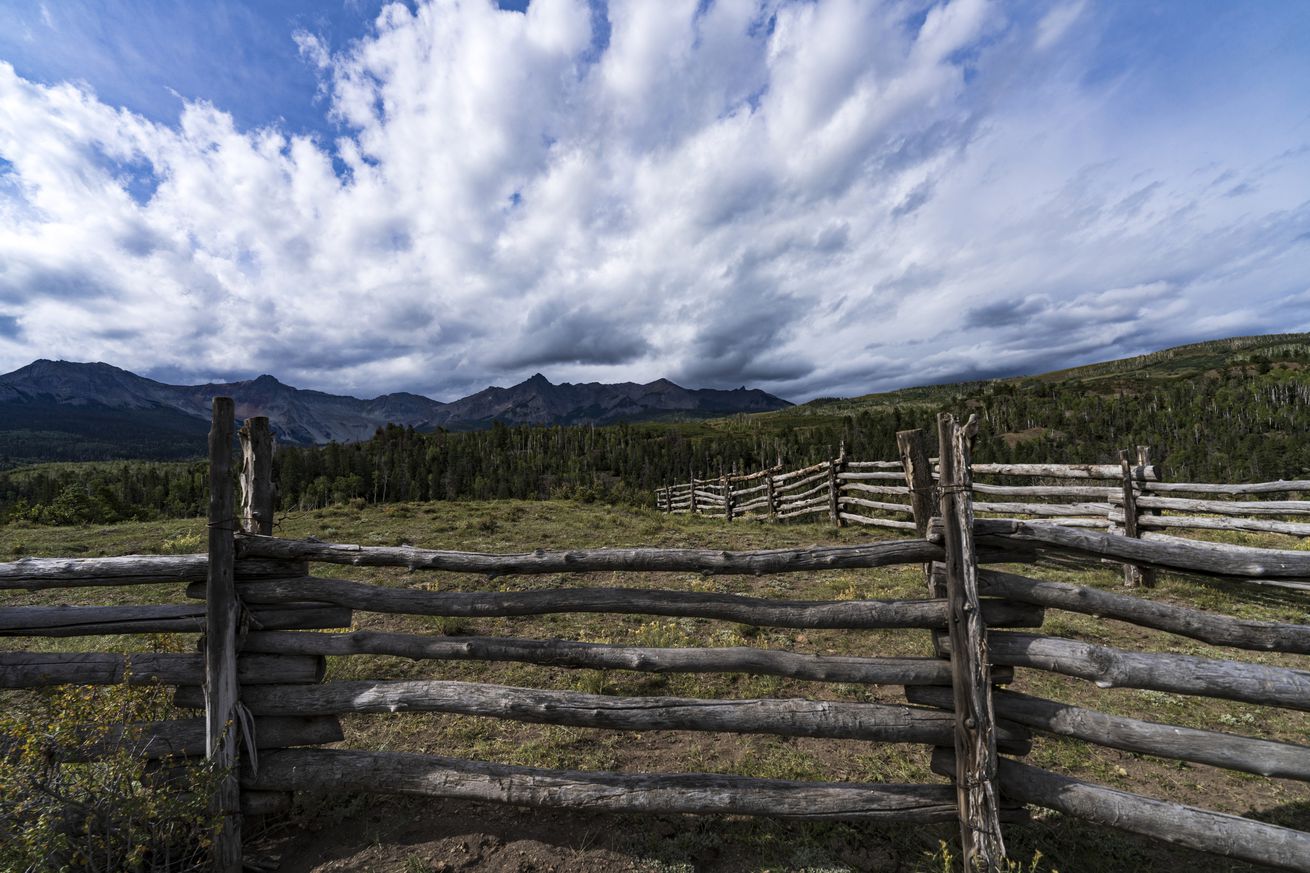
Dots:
pixel 76 795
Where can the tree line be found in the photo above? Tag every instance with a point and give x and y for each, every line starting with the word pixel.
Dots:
pixel 1237 424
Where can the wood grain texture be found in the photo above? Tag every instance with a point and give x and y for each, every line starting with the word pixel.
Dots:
pixel 431 775
pixel 219 645
pixel 1262 757
pixel 880 722
pixel 975 736
pixel 1110 667
pixel 1229 836
pixel 765 612
pixel 708 561
pixel 1198 624
pixel 565 653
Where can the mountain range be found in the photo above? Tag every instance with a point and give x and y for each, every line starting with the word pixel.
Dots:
pixel 63 410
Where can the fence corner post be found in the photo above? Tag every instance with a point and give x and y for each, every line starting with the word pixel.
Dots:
pixel 835 465
pixel 981 845
pixel 221 618
pixel 257 476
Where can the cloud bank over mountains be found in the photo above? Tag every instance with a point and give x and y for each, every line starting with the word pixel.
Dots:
pixel 811 198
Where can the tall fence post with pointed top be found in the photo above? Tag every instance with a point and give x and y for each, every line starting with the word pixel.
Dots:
pixel 975 720
pixel 221 620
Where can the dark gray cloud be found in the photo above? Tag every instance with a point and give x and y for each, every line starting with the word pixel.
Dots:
pixel 555 334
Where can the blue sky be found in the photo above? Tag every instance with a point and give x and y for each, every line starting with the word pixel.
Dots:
pixel 815 198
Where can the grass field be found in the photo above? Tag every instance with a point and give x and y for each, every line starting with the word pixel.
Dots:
pixel 374 833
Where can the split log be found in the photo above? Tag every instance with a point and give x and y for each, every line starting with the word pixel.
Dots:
pixel 1225 507
pixel 36 574
pixel 878 504
pixel 877 522
pixel 186 736
pixel 1061 521
pixel 796 717
pixel 1198 624
pixel 1279 487
pixel 710 498
pixel 1178 674
pixel 1262 757
pixel 34 669
pixel 1168 553
pixel 1098 510
pixel 708 561
pixel 762 612
pixel 1218 833
pixel 563 653
pixel 874 489
pixel 1098 493
pixel 337 770
pixel 81 621
pixel 1200 522
pixel 1065 471
pixel 874 465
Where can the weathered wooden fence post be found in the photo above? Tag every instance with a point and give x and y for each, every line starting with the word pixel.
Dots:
pixel 975 721
pixel 221 618
pixel 772 494
pixel 257 476
pixel 1143 464
pixel 834 495
pixel 726 485
pixel 692 509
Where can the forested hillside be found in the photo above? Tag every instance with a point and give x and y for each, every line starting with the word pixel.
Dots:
pixel 1227 411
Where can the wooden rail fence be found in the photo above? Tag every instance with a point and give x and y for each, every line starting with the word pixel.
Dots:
pixel 259 677
pixel 1129 497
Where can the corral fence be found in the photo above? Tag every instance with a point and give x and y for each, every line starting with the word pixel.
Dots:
pixel 259 675
pixel 1129 498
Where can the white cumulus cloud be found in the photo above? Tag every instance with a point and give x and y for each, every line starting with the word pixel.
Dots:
pixel 827 197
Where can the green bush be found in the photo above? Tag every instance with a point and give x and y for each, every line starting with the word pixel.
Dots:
pixel 76 795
